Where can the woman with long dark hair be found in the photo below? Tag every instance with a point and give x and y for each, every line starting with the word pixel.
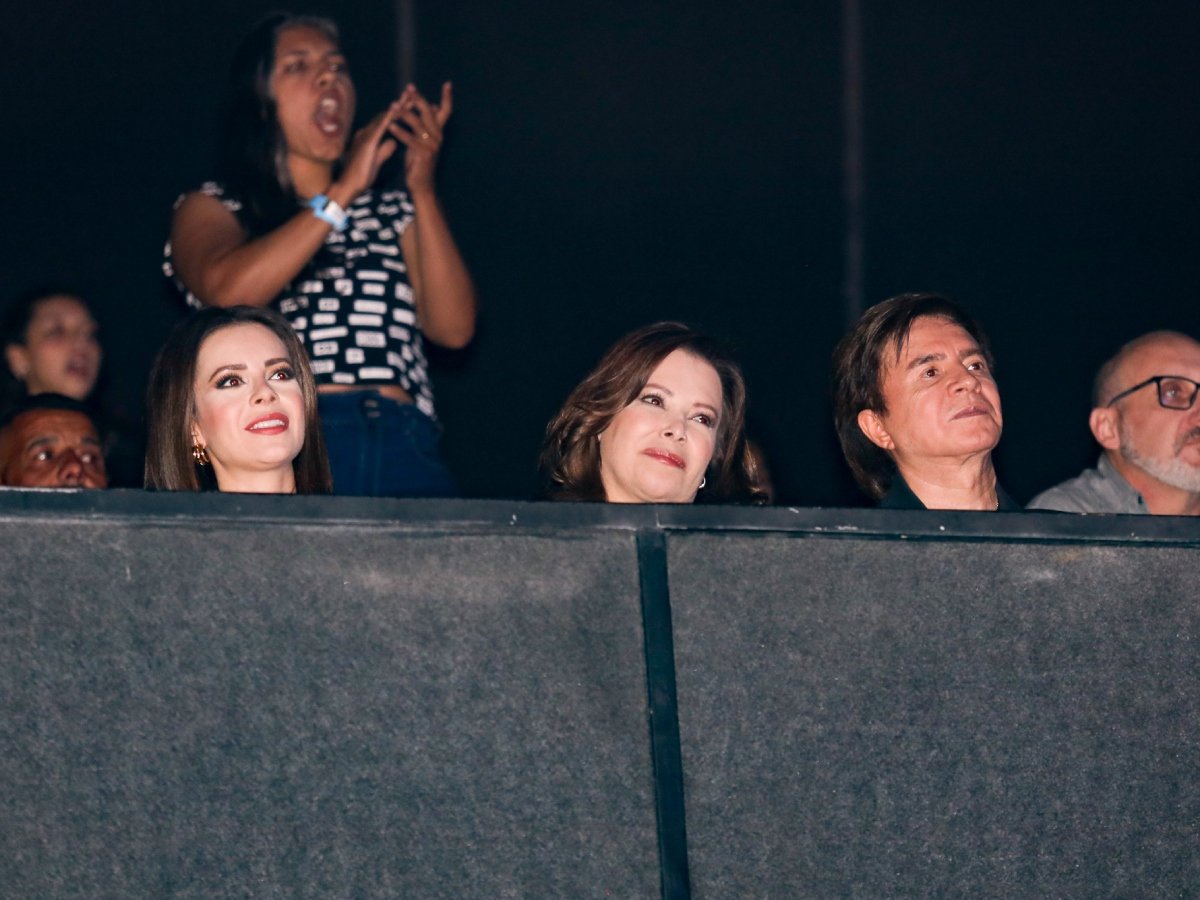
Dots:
pixel 363 274
pixel 50 345
pixel 232 405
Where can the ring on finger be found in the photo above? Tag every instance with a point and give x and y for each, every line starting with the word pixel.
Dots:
pixel 424 135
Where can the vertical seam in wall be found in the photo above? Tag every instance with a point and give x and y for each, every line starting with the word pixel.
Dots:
pixel 663 713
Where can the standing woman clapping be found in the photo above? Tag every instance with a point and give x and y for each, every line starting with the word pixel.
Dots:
pixel 363 274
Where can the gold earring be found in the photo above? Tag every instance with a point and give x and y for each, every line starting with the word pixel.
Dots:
pixel 200 454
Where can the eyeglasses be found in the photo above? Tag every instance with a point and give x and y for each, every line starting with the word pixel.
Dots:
pixel 1174 391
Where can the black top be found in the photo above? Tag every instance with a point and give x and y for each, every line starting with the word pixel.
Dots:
pixel 900 496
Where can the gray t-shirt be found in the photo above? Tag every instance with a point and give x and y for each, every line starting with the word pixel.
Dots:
pixel 1098 490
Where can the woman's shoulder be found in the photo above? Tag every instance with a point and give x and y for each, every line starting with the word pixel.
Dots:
pixel 216 191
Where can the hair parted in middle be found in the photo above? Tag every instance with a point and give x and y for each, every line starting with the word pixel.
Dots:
pixel 570 457
pixel 252 151
pixel 171 402
pixel 860 363
pixel 14 330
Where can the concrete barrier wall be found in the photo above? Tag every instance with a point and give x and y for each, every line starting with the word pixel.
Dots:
pixel 269 696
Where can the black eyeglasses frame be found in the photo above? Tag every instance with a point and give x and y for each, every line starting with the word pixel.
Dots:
pixel 1157 381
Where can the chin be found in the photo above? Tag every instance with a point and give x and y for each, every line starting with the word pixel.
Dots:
pixel 672 495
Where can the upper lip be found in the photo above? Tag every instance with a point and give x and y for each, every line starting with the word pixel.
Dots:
pixel 975 409
pixel 277 417
pixel 666 456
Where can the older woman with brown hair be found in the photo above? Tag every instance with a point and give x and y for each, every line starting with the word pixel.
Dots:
pixel 232 404
pixel 660 419
pixel 917 408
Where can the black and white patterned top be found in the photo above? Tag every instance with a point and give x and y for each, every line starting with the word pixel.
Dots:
pixel 352 305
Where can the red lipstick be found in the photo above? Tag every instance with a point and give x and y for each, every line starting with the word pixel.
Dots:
pixel 666 457
pixel 272 423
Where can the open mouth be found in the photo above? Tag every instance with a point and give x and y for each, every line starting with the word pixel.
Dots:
pixel 330 117
pixel 78 368
pixel 272 424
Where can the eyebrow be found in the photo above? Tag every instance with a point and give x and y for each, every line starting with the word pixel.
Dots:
pixel 670 393
pixel 242 367
pixel 48 439
pixel 231 367
pixel 975 350
pixel 304 51
pixel 43 441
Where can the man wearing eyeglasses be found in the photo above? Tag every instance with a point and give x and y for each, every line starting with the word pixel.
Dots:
pixel 1147 420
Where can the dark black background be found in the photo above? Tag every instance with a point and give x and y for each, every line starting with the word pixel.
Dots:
pixel 619 163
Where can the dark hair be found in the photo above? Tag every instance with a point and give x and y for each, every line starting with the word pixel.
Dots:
pixel 171 402
pixel 14 329
pixel 570 456
pixel 859 366
pixel 251 150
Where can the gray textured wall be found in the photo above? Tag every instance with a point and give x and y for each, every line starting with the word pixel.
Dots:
pixel 271 696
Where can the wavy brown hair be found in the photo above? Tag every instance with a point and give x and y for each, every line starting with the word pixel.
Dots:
pixel 859 364
pixel 171 403
pixel 570 459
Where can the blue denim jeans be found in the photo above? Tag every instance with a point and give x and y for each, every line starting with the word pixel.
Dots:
pixel 381 448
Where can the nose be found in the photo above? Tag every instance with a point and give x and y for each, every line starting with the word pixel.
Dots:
pixel 966 380
pixel 83 340
pixel 265 393
pixel 70 470
pixel 326 75
pixel 675 428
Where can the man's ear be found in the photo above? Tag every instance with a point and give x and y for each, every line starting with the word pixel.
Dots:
pixel 1103 422
pixel 17 358
pixel 872 426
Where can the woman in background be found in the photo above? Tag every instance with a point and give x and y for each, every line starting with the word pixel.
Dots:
pixel 50 345
pixel 659 420
pixel 230 394
pixel 363 274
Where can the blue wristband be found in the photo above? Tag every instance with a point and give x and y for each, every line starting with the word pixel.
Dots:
pixel 328 211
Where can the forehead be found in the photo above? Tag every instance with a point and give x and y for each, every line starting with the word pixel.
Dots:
pixel 39 424
pixel 682 371
pixel 1165 356
pixel 931 333
pixel 304 38
pixel 59 306
pixel 246 343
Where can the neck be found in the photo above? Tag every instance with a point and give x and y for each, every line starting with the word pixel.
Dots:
pixel 953 484
pixel 272 481
pixel 1161 499
pixel 309 177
